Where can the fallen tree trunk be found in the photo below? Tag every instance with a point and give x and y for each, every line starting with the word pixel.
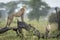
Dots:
pixel 3 30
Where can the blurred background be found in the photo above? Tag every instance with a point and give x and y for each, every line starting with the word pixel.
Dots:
pixel 35 10
pixel 38 12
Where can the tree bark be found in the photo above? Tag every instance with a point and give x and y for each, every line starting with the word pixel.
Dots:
pixel 58 19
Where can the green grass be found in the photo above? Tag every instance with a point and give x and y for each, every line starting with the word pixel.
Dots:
pixel 11 35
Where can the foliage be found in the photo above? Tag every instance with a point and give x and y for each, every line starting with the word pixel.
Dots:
pixel 0 14
pixel 11 6
pixel 54 18
pixel 2 5
pixel 39 8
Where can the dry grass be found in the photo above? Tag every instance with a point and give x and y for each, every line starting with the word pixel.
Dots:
pixel 11 35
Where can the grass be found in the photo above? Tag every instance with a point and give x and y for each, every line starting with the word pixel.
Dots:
pixel 11 35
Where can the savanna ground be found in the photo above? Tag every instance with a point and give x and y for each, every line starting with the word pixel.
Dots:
pixel 11 35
